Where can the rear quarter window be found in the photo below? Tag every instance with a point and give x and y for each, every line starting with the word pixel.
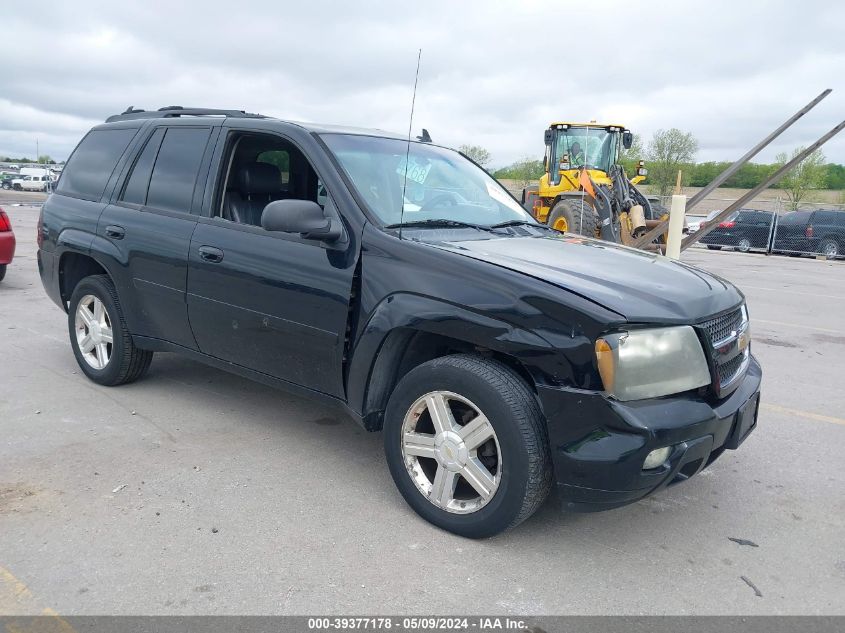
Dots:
pixel 175 172
pixel 92 163
pixel 795 217
pixel 827 217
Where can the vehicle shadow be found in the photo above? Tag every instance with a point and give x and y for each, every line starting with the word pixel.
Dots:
pixel 301 426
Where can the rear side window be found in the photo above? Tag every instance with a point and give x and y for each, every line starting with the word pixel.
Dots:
pixel 92 163
pixel 795 217
pixel 135 191
pixel 828 217
pixel 176 166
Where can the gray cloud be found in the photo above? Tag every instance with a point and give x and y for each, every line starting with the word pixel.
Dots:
pixel 492 74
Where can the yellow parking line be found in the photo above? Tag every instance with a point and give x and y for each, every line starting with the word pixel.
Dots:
pixel 776 408
pixel 16 599
pixel 799 325
pixel 794 292
pixel 12 590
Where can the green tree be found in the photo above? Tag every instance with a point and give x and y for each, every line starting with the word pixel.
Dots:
pixel 804 178
pixel 669 151
pixel 476 153
pixel 45 159
pixel 834 176
pixel 524 171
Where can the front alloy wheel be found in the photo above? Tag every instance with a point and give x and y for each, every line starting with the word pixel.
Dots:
pixel 451 452
pixel 93 331
pixel 467 445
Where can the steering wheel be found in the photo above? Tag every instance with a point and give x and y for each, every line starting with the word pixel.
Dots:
pixel 448 197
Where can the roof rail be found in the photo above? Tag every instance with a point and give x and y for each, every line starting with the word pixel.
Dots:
pixel 177 111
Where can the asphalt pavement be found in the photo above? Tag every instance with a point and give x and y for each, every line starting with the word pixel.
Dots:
pixel 194 491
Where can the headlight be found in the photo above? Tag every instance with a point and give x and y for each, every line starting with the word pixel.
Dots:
pixel 651 363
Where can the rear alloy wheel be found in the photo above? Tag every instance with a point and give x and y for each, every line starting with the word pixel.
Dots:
pixel 101 342
pixel 467 445
pixel 744 245
pixel 829 248
pixel 93 331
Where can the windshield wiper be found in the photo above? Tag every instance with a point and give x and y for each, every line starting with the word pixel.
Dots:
pixel 437 223
pixel 502 225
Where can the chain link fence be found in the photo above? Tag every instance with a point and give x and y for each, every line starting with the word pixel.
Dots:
pixel 771 227
pixel 768 225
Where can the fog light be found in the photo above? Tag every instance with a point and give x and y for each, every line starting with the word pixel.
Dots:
pixel 656 457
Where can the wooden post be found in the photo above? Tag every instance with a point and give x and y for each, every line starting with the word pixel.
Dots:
pixel 678 184
pixel 676 226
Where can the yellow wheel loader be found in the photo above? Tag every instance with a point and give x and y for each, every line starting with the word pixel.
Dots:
pixel 585 190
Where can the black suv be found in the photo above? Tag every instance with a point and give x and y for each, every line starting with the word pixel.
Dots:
pixel 821 232
pixel 745 230
pixel 402 283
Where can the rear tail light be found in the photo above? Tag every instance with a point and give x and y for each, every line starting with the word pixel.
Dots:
pixel 808 232
pixel 727 225
pixel 5 225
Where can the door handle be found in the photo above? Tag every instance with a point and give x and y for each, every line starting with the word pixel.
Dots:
pixel 211 254
pixel 115 232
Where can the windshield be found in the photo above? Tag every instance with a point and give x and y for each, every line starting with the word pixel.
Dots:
pixel 441 184
pixel 594 148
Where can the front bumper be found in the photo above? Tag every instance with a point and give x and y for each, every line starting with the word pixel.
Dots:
pixel 598 444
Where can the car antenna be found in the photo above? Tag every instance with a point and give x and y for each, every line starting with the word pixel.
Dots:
pixel 408 147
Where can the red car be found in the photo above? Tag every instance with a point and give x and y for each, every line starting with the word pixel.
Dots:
pixel 7 242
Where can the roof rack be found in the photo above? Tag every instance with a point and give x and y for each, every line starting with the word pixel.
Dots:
pixel 177 111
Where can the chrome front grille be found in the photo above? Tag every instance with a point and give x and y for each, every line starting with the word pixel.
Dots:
pixel 729 348
pixel 720 328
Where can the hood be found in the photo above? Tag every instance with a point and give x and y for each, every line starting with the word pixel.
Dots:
pixel 640 286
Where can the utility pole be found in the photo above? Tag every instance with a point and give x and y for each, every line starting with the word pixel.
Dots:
pixel 36 150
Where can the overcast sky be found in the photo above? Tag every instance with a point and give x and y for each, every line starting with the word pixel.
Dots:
pixel 493 74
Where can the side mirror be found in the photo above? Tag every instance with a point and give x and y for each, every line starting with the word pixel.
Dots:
pixel 547 137
pixel 300 216
pixel 627 139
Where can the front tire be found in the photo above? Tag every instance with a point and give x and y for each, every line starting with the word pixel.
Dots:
pixel 98 335
pixel 467 446
pixel 573 216
pixel 2 271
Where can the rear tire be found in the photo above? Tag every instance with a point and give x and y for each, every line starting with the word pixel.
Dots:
pixel 744 245
pixel 511 445
pixel 714 248
pixel 829 247
pixel 99 337
pixel 573 216
pixel 2 271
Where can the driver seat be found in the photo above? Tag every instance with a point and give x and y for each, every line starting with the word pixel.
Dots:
pixel 256 185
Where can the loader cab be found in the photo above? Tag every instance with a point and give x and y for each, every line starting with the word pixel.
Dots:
pixel 572 146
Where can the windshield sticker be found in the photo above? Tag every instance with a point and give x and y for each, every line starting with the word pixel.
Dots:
pixel 417 172
pixel 497 194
